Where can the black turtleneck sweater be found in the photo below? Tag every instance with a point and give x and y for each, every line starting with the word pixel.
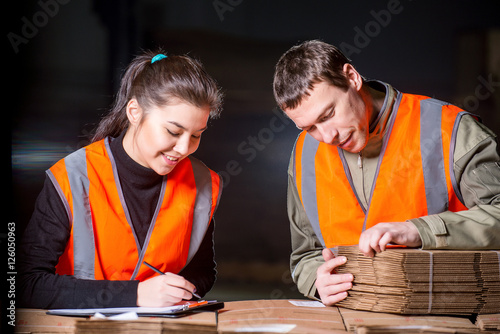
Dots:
pixel 48 232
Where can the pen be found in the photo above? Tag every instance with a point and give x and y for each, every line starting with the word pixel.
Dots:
pixel 162 273
pixel 190 306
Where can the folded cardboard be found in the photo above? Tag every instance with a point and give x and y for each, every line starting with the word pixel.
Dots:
pixel 488 322
pixel 354 320
pixel 412 330
pixel 30 321
pixel 196 323
pixel 413 281
pixel 272 315
pixel 37 321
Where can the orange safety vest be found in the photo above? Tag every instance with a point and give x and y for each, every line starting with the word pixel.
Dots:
pixel 414 175
pixel 103 244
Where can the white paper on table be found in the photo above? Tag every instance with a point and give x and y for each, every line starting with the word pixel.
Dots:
pixel 307 303
pixel 269 328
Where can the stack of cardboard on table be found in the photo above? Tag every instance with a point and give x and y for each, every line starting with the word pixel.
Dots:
pixel 372 322
pixel 263 316
pixel 30 321
pixel 488 322
pixel 201 323
pixel 37 321
pixel 412 281
pixel 311 317
pixel 279 316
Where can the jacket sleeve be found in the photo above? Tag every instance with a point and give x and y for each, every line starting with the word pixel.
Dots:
pixel 43 242
pixel 477 170
pixel 306 254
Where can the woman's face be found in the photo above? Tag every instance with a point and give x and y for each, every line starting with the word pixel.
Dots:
pixel 165 136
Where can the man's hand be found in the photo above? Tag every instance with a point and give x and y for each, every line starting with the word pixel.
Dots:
pixel 332 287
pixel 164 290
pixel 375 239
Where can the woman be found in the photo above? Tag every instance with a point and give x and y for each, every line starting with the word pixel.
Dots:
pixel 133 195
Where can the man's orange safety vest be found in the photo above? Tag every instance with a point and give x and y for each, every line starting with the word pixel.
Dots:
pixel 414 175
pixel 102 244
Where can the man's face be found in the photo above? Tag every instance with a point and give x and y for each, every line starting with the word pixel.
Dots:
pixel 334 116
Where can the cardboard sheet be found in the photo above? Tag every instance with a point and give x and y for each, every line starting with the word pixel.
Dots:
pixel 305 316
pixel 37 321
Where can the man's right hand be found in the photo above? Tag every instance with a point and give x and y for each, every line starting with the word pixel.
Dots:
pixel 332 287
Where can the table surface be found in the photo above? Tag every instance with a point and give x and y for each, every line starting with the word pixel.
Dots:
pixel 263 316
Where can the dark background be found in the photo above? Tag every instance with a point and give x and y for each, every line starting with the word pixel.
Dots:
pixel 64 59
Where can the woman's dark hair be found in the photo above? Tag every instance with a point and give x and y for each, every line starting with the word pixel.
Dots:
pixel 158 83
pixel 304 65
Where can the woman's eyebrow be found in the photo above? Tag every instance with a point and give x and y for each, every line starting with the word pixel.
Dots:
pixel 183 127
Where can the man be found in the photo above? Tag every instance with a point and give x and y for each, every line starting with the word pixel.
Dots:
pixel 374 166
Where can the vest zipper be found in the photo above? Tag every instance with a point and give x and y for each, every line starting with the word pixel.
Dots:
pixel 360 166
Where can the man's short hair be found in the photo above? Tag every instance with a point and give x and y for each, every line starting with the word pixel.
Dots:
pixel 305 65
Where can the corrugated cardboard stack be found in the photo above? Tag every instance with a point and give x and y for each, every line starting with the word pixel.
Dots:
pixel 196 323
pixel 488 322
pixel 412 330
pixel 412 281
pixel 354 320
pixel 98 326
pixel 279 316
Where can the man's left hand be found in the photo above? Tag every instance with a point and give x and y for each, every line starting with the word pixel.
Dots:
pixel 375 239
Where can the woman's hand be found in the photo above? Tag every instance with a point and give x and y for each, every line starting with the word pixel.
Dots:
pixel 164 290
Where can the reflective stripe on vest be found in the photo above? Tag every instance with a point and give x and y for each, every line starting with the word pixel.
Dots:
pixel 72 177
pixel 433 166
pixel 411 179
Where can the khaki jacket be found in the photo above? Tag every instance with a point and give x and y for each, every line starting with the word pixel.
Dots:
pixel 476 168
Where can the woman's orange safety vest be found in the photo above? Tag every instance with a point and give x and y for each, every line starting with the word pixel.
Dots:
pixel 103 244
pixel 414 175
